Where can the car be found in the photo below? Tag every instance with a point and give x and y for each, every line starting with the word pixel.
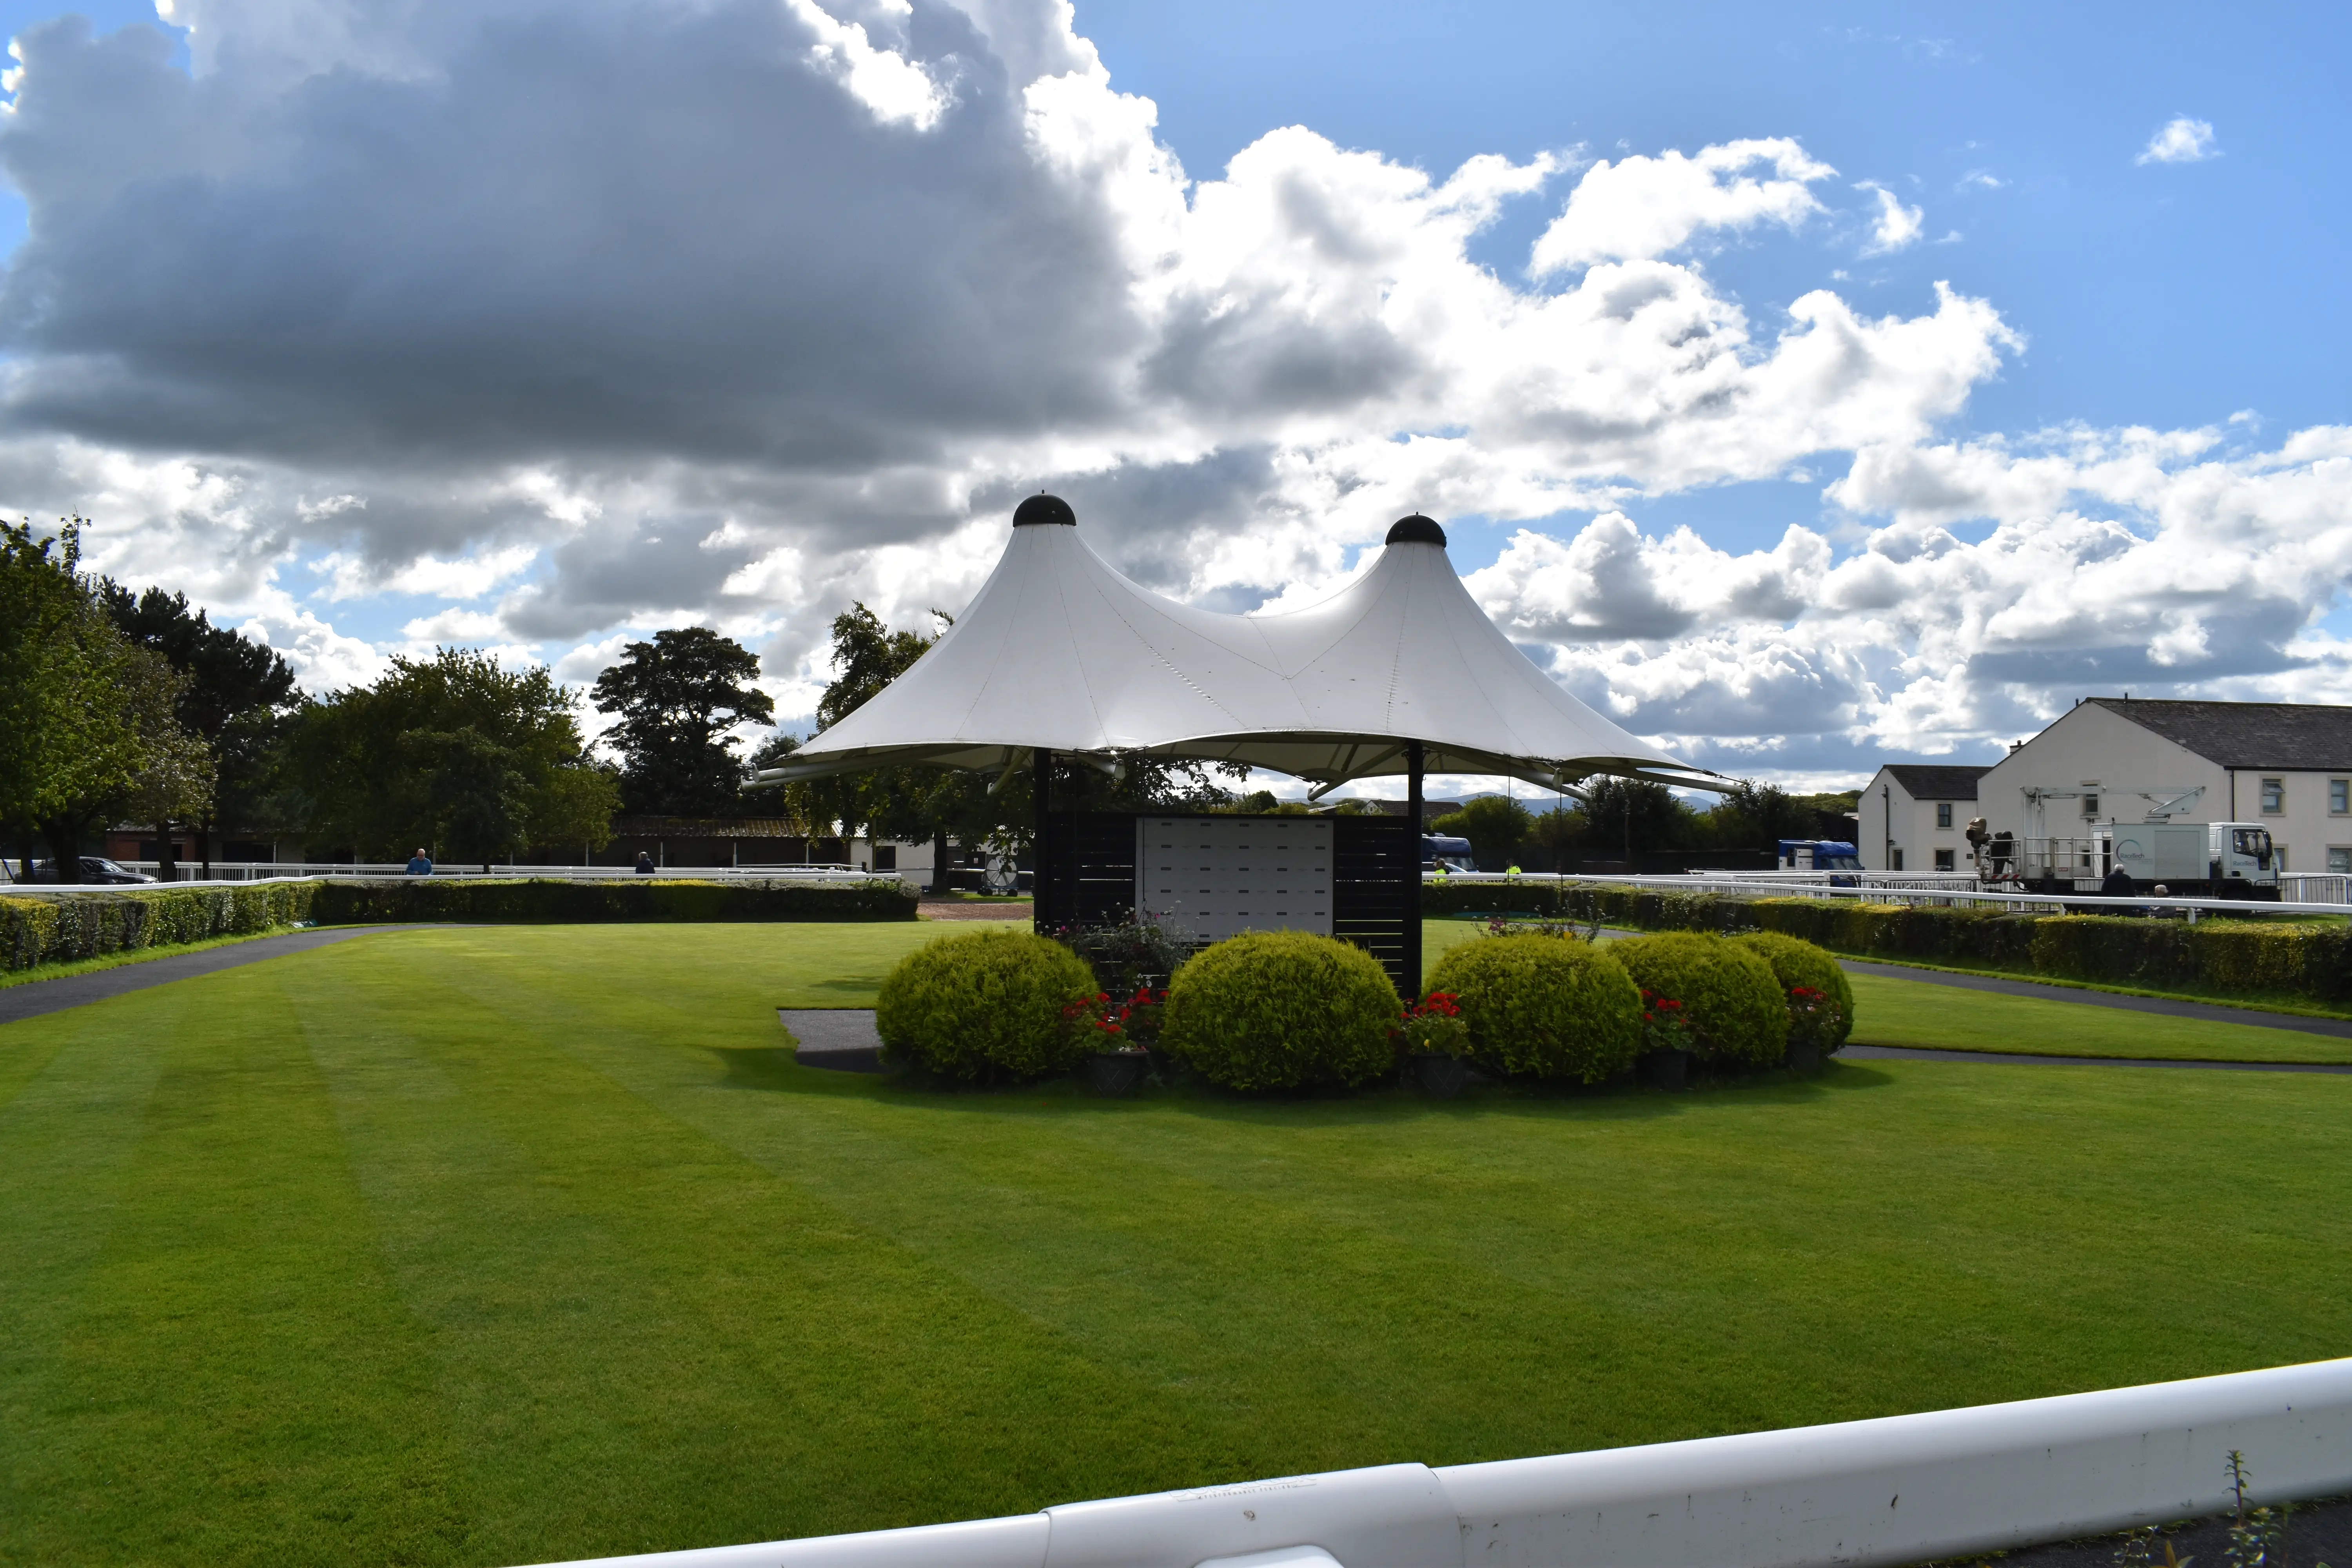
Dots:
pixel 96 870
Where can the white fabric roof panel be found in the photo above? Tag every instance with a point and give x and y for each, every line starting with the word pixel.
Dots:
pixel 1058 650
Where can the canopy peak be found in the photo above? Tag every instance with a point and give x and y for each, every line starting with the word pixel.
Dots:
pixel 1042 508
pixel 1416 530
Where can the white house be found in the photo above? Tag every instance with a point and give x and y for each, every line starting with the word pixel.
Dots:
pixel 1915 817
pixel 2285 765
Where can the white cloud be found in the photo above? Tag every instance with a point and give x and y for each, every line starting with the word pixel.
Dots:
pixel 796 318
pixel 1642 206
pixel 1895 226
pixel 2180 141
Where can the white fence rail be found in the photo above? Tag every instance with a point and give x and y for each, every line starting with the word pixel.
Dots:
pixel 2009 898
pixel 1901 1489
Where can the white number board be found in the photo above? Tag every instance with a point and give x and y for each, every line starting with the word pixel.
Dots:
pixel 1215 877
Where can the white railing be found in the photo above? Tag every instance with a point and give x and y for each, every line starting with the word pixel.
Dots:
pixel 2316 887
pixel 1964 881
pixel 1701 882
pixel 1904 1488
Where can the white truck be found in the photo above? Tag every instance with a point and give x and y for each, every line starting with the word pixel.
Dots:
pixel 2213 860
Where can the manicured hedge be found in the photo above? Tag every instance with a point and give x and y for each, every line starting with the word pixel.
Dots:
pixel 985 1005
pixel 1545 1005
pixel 1737 1009
pixel 560 901
pixel 59 930
pixel 2220 953
pixel 1282 1010
pixel 1797 962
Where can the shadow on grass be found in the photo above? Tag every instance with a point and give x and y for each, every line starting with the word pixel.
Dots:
pixel 774 1070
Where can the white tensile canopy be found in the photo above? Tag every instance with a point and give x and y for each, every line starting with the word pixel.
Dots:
pixel 1059 652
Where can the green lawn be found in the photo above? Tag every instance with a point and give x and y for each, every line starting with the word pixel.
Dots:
pixel 509 1244
pixel 1915 1013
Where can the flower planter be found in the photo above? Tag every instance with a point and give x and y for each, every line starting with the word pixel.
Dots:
pixel 1113 1073
pixel 1804 1056
pixel 1665 1068
pixel 1440 1077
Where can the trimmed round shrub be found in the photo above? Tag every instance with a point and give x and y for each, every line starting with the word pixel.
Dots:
pixel 1738 1011
pixel 1281 1009
pixel 1796 963
pixel 1553 1007
pixel 985 1005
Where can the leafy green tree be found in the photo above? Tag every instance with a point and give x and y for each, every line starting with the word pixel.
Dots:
pixel 1496 826
pixel 89 720
pixel 453 753
pixel 677 697
pixel 236 698
pixel 1625 817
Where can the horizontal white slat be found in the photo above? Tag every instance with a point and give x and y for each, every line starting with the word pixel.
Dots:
pixel 1894 1490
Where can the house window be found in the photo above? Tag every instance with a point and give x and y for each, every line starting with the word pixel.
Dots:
pixel 2339 798
pixel 1944 813
pixel 2090 807
pixel 1897 853
pixel 885 857
pixel 2274 798
pixel 2340 859
pixel 1943 857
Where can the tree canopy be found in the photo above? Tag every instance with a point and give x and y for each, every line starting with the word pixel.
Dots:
pixel 678 697
pixel 90 719
pixel 454 754
pixel 235 696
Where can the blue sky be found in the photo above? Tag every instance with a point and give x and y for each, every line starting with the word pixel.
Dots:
pixel 538 327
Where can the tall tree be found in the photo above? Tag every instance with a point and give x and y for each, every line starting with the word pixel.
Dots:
pixel 89 720
pixel 454 754
pixel 236 698
pixel 677 697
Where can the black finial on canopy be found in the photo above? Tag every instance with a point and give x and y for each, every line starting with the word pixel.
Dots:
pixel 1044 508
pixel 1416 530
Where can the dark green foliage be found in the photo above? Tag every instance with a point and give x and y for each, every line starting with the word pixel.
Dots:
pixel 237 697
pixel 1496 826
pixel 2246 954
pixel 454 754
pixel 561 900
pixel 1553 1007
pixel 985 1005
pixel 36 930
pixel 1737 1010
pixel 1141 953
pixel 1796 963
pixel 1283 1010
pixel 678 696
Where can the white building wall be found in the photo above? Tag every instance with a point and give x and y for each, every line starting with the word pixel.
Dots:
pixel 1915 834
pixel 2089 743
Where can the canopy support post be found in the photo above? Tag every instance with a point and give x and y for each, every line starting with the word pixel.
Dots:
pixel 1412 883
pixel 1041 879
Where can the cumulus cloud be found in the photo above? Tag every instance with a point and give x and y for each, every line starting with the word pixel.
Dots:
pixel 576 321
pixel 2180 141
pixel 1895 226
pixel 1643 207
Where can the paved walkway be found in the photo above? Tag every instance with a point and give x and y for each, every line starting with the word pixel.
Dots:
pixel 2026 1060
pixel 2212 1013
pixel 842 1039
pixel 31 998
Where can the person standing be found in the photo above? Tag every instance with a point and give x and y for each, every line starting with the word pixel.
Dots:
pixel 420 864
pixel 644 864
